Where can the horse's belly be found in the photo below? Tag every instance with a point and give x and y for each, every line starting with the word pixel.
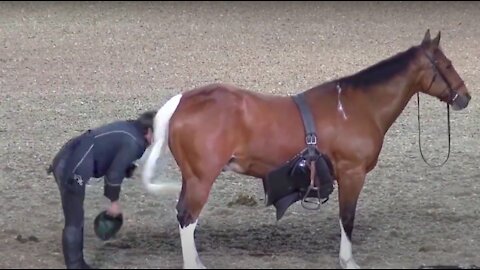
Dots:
pixel 248 167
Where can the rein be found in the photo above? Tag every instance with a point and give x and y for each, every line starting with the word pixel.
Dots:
pixel 419 134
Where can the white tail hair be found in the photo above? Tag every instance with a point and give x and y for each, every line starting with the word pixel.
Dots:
pixel 160 142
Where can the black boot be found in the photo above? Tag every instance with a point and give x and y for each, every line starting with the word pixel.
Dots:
pixel 72 244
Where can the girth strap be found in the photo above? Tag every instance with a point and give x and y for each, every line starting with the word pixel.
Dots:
pixel 308 124
pixel 312 152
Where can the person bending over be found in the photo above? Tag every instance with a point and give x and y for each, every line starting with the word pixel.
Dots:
pixel 108 151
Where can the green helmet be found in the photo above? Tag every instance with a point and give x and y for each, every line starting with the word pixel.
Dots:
pixel 106 226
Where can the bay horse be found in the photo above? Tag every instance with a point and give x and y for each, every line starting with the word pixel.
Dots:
pixel 220 127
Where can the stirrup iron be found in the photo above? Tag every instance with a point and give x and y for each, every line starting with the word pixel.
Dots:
pixel 314 202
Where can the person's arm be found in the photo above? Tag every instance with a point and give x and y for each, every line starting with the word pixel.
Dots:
pixel 116 173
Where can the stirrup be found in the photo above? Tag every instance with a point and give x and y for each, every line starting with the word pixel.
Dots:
pixel 311 201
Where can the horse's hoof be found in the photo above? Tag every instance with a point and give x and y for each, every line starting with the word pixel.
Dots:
pixel 197 265
pixel 349 264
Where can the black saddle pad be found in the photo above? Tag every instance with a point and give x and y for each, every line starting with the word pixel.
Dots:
pixel 290 182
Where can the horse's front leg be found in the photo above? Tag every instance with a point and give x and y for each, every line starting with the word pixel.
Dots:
pixel 350 184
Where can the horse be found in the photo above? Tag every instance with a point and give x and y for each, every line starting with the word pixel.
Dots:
pixel 221 127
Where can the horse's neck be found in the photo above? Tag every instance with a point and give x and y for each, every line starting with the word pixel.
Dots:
pixel 390 100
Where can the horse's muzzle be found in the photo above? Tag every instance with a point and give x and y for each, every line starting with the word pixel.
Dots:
pixel 461 101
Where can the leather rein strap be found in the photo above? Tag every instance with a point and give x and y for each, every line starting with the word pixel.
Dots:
pixel 419 135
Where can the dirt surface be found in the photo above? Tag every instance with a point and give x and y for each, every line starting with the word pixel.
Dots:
pixel 66 67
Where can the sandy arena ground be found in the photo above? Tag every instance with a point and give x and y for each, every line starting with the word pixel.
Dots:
pixel 66 67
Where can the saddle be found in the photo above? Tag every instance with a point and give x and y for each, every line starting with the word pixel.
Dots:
pixel 308 176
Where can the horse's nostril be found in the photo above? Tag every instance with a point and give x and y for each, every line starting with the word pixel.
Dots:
pixel 468 96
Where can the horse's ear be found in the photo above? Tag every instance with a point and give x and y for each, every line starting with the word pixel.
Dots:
pixel 436 40
pixel 426 39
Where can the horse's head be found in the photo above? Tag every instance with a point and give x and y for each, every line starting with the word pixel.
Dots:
pixel 440 78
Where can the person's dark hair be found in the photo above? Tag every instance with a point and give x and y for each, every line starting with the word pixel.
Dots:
pixel 145 120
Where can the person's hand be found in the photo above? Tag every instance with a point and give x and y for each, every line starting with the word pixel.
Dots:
pixel 114 210
pixel 130 170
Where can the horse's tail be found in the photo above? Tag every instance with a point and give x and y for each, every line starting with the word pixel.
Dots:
pixel 160 132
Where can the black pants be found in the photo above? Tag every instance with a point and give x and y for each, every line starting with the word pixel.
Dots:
pixel 72 204
pixel 72 168
pixel 72 233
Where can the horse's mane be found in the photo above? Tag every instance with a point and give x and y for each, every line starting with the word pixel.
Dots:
pixel 381 71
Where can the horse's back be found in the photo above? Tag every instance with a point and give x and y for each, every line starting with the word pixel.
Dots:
pixel 224 92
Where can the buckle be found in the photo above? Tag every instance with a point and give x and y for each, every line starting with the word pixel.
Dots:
pixel 311 139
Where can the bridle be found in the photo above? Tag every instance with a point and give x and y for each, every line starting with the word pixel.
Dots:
pixel 449 98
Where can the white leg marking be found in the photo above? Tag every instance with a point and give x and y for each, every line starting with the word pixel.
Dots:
pixel 191 260
pixel 346 257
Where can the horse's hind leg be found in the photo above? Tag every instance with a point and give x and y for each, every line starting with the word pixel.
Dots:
pixel 196 185
pixel 350 184
pixel 193 197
